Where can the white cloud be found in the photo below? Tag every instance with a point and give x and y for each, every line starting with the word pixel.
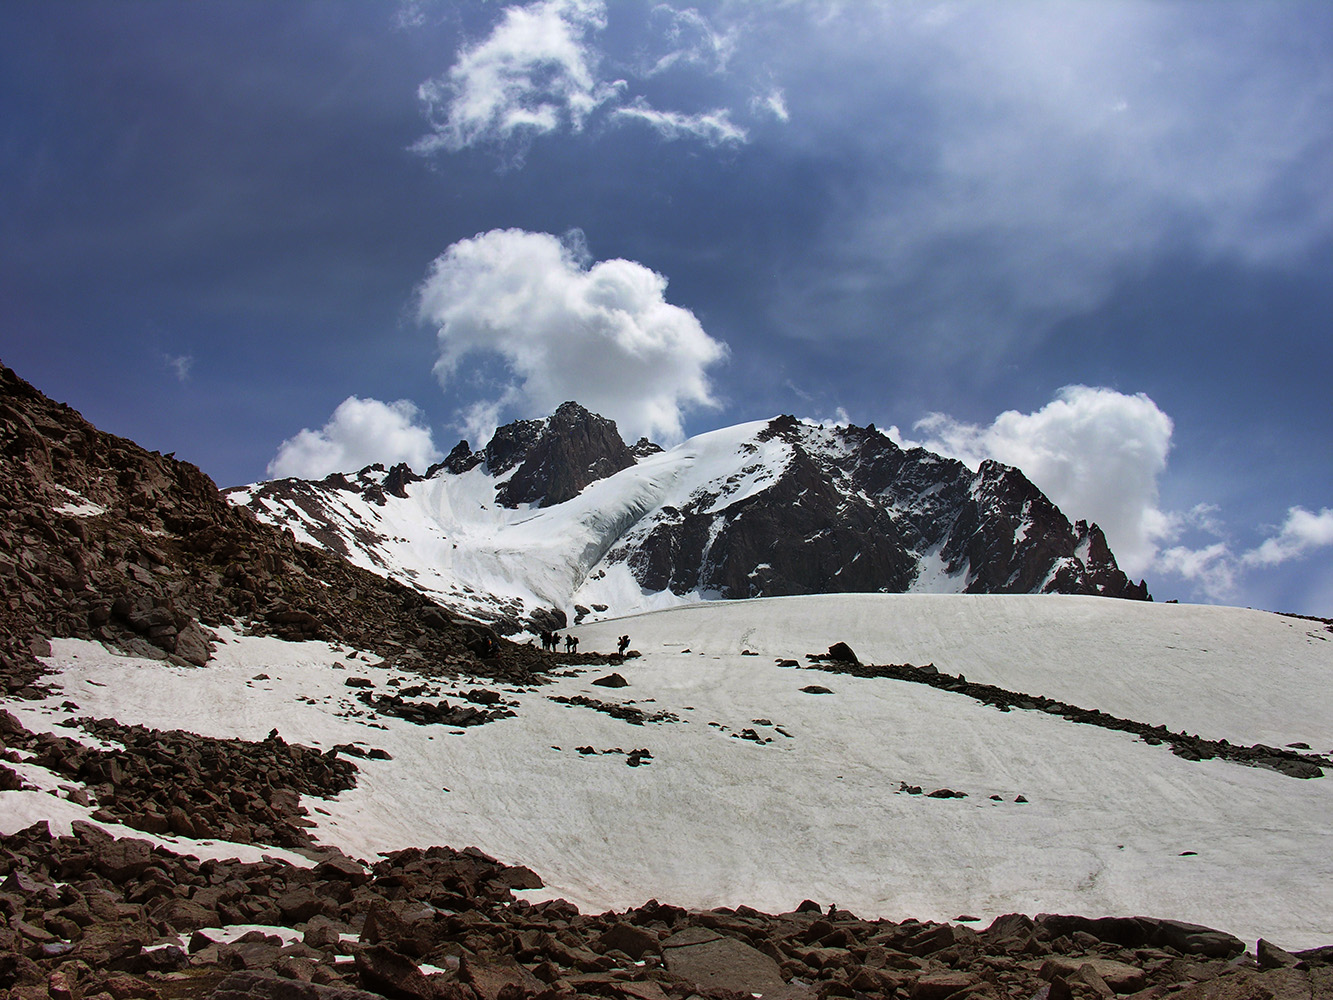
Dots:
pixel 1095 452
pixel 1301 532
pixel 534 73
pixel 180 365
pixel 1099 454
pixel 601 334
pixel 691 40
pixel 541 70
pixel 713 127
pixel 361 432
pixel 773 103
pixel 1211 568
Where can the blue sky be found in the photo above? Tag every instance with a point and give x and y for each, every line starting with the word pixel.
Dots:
pixel 1094 240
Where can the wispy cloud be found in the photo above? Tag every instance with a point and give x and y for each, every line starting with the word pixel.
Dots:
pixel 536 72
pixel 602 333
pixel 180 365
pixel 690 39
pixel 542 70
pixel 713 127
pixel 772 103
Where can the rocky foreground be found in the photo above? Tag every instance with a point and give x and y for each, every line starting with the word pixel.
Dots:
pixel 90 916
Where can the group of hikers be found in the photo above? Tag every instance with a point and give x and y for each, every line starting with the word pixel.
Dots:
pixel 551 643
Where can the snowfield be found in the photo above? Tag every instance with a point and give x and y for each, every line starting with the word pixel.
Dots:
pixel 808 804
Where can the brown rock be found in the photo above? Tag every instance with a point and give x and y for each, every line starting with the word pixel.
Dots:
pixel 940 986
pixel 121 860
pixel 387 972
pixel 300 904
pixel 492 980
pixel 193 645
pixel 264 986
pixel 57 987
pixel 122 987
pixel 1270 956
pixel 1248 984
pixel 185 915
pixel 633 941
pixel 713 962
pixel 1118 976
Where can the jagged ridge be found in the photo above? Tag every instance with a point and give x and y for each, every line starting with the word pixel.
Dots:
pixel 559 516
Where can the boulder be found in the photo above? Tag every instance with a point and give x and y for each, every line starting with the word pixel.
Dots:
pixel 387 972
pixel 491 980
pixel 1118 976
pixel 633 941
pixel 714 962
pixel 266 986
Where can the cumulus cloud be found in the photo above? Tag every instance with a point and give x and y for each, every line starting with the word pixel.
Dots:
pixel 1099 454
pixel 602 334
pixel 1095 452
pixel 542 70
pixel 1211 568
pixel 1299 534
pixel 361 432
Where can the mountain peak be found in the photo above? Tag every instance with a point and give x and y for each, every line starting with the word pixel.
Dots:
pixel 557 457
pixel 776 507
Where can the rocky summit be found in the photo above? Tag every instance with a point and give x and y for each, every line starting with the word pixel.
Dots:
pixel 558 520
pixel 180 865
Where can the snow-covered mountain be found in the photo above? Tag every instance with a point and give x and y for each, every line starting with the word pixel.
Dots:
pixel 212 733
pixel 558 518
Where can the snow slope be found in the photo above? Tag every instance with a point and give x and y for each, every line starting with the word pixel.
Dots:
pixel 816 811
pixel 450 538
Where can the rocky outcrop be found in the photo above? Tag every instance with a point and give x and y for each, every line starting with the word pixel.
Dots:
pixel 851 512
pixel 102 540
pixel 1292 762
pixel 193 786
pixel 569 450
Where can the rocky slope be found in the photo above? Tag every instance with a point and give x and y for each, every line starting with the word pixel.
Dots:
pixel 101 539
pixel 767 509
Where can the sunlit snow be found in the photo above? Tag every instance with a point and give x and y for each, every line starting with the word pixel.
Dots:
pixel 816 811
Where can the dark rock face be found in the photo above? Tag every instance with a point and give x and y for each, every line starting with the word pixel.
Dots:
pixel 559 456
pixel 802 535
pixel 458 461
pixel 851 512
